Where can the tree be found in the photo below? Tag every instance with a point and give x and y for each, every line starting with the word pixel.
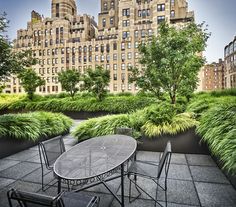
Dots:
pixel 11 62
pixel 172 60
pixel 30 81
pixel 69 80
pixel 96 81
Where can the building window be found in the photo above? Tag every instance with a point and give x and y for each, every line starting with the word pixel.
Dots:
pixel 172 13
pixel 115 76
pixel 105 6
pixel 136 33
pixel 122 46
pixel 172 2
pixel 122 66
pixel 126 12
pixel 111 20
pixel 112 4
pixel 144 13
pixel 139 13
pixel 96 48
pixel 129 55
pixel 114 56
pixel 126 23
pixel 104 22
pixel 160 7
pixel 143 33
pixel 114 46
pixel 136 44
pixel 129 45
pixel 148 12
pixel 150 32
pixel 115 67
pixel 125 35
pixel 160 19
pixel 57 10
pixel 123 56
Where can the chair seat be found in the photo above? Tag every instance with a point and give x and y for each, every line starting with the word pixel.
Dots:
pixel 146 169
pixel 71 199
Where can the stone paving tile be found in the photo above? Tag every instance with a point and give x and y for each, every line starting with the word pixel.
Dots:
pixel 212 195
pixel 208 174
pixel 178 159
pixel 35 159
pixel 5 182
pixel 148 156
pixel 204 160
pixel 146 203
pixel 179 191
pixel 180 172
pixel 24 155
pixel 19 170
pixel 35 176
pixel 5 163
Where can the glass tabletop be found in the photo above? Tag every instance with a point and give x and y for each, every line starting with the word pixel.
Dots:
pixel 95 157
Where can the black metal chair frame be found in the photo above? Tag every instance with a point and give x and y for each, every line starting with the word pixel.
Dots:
pixel 165 164
pixel 27 197
pixel 43 156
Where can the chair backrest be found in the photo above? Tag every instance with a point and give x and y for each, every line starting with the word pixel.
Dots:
pixel 51 149
pixel 27 199
pixel 165 160
pixel 124 131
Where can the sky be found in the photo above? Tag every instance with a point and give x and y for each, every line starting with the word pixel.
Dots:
pixel 220 15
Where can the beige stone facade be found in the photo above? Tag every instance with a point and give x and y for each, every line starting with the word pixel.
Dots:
pixel 230 64
pixel 213 76
pixel 67 40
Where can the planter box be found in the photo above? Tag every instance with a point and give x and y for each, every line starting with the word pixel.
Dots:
pixel 186 142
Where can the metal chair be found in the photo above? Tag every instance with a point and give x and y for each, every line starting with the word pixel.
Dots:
pixel 151 171
pixel 64 199
pixel 49 151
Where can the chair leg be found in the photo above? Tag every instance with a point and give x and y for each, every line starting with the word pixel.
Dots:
pixel 130 186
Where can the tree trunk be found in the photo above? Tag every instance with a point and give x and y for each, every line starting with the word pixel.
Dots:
pixel 173 98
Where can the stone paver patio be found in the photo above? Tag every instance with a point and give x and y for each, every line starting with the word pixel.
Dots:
pixel 194 180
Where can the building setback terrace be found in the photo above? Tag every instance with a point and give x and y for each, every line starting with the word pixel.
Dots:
pixel 193 180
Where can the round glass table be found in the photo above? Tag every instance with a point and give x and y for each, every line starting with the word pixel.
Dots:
pixel 94 160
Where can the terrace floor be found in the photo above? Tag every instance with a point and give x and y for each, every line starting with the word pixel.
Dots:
pixel 194 180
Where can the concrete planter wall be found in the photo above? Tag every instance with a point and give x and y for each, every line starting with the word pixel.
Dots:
pixel 10 146
pixel 186 142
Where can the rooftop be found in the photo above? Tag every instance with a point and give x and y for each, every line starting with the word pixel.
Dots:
pixel 193 180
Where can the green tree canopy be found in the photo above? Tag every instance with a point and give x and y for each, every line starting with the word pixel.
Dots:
pixel 11 62
pixel 30 81
pixel 96 81
pixel 69 80
pixel 172 60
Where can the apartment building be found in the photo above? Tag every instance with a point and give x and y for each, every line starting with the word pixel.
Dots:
pixel 68 40
pixel 230 64
pixel 213 76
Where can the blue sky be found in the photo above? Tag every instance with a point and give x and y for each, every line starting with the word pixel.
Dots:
pixel 220 15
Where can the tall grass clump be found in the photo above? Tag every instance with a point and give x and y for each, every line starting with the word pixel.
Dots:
pixel 32 126
pixel 218 129
pixel 151 121
pixel 101 126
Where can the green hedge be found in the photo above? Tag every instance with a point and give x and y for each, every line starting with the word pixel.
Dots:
pixel 32 126
pixel 218 129
pixel 113 104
